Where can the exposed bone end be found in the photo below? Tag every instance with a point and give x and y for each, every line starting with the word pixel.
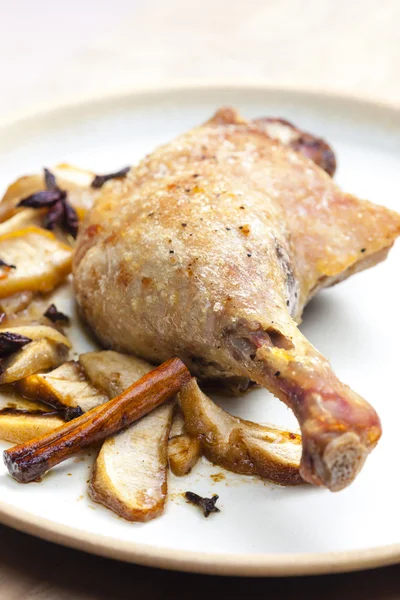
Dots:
pixel 339 464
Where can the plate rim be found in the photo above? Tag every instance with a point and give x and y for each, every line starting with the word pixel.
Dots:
pixel 246 564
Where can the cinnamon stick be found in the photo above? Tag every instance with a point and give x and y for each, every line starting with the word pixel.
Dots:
pixel 26 462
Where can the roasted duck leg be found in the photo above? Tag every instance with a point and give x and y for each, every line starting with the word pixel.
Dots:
pixel 210 249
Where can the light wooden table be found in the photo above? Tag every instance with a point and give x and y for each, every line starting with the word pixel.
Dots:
pixel 53 50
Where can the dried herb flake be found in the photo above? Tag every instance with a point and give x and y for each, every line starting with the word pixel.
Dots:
pixel 43 199
pixel 61 213
pixel 206 504
pixel 55 315
pixel 11 342
pixel 70 412
pixel 100 180
pixel 6 265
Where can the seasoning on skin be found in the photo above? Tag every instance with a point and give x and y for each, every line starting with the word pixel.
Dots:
pixel 100 180
pixel 277 374
pixel 55 315
pixel 363 250
pixel 206 504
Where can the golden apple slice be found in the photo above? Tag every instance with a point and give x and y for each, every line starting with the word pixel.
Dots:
pixel 65 386
pixel 39 332
pixel 26 217
pixel 19 426
pixel 113 372
pixel 130 473
pixel 15 303
pixel 36 356
pixel 76 182
pixel 41 261
pixel 184 450
pixel 238 445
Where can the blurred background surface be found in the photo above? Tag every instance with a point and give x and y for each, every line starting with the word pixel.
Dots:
pixel 52 50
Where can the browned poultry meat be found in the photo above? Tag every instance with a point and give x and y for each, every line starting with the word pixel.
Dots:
pixel 210 249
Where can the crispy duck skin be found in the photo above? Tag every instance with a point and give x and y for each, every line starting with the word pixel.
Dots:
pixel 210 249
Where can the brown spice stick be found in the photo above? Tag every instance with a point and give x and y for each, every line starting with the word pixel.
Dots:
pixel 26 462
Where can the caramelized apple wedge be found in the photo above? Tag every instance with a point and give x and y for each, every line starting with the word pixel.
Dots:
pixel 19 426
pixel 184 450
pixel 113 372
pixel 15 303
pixel 37 332
pixel 43 348
pixel 27 217
pixel 32 358
pixel 41 262
pixel 107 374
pixel 9 398
pixel 64 386
pixel 76 182
pixel 130 473
pixel 238 445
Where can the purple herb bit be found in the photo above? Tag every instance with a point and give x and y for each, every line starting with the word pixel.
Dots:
pixel 43 199
pixel 61 213
pixel 70 220
pixel 100 180
pixel 70 412
pixel 4 264
pixel 54 216
pixel 206 504
pixel 50 180
pixel 55 315
pixel 11 342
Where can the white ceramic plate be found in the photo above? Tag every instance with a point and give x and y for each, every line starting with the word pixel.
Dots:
pixel 262 529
